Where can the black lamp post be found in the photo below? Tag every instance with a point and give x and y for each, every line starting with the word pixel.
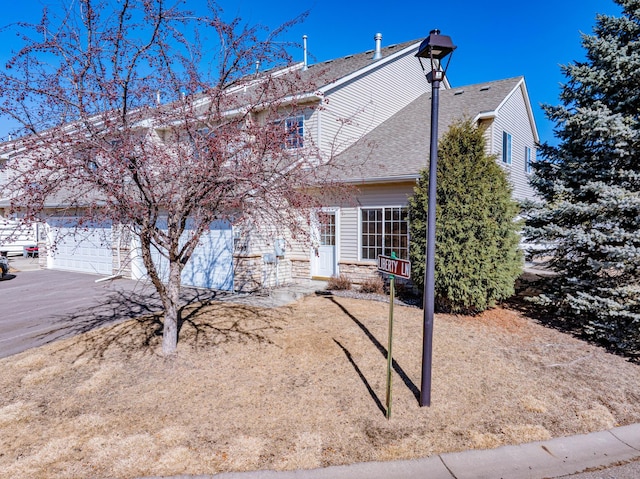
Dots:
pixel 436 48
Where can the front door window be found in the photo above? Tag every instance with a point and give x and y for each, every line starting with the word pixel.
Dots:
pixel 327 227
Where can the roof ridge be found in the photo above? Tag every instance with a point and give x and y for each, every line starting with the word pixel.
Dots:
pixel 371 50
pixel 491 82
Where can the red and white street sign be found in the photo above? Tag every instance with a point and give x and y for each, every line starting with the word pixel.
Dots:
pixel 398 267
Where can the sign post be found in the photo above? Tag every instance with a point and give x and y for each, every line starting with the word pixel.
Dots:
pixel 389 353
pixel 402 268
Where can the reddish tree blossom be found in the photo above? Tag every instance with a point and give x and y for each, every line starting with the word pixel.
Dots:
pixel 155 118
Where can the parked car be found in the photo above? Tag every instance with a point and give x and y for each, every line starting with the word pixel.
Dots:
pixel 4 264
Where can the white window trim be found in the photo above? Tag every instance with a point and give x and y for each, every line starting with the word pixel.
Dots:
pixel 507 148
pixel 373 207
pixel 302 139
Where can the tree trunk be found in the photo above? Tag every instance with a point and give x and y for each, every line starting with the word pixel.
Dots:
pixel 171 311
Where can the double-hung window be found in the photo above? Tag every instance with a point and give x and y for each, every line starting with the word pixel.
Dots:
pixel 529 158
pixel 200 142
pixel 506 148
pixel 294 127
pixel 4 175
pixel 383 231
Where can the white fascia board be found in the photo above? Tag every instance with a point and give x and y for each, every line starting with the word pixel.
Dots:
pixel 525 93
pixel 485 115
pixel 368 68
pixel 6 152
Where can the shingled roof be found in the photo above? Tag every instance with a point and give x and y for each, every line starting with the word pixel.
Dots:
pixel 296 82
pixel 325 73
pixel 399 147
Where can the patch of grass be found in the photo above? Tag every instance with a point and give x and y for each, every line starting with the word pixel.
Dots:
pixel 298 387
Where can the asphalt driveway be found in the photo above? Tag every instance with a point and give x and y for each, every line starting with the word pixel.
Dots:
pixel 41 306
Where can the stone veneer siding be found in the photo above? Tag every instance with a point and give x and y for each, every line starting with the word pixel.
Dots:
pixel 358 272
pixel 42 254
pixel 247 272
pixel 125 261
pixel 300 268
pixel 251 273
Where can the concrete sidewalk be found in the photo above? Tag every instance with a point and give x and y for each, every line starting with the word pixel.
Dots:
pixel 538 460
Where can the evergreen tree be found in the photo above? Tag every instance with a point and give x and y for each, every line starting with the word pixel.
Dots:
pixel 477 254
pixel 590 184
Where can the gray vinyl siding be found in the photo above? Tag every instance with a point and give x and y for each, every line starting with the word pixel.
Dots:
pixel 358 106
pixel 488 127
pixel 385 195
pixel 514 119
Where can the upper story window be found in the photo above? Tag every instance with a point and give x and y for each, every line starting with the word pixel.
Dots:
pixel 3 171
pixel 294 127
pixel 200 142
pixel 529 158
pixel 506 148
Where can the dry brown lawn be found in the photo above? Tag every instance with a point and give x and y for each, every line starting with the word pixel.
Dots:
pixel 298 387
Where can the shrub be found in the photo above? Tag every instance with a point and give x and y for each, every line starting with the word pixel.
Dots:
pixel 407 290
pixel 341 282
pixel 374 284
pixel 477 246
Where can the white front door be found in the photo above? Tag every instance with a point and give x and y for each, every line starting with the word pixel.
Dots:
pixel 323 263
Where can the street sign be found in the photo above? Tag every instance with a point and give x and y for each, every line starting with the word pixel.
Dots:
pixel 398 267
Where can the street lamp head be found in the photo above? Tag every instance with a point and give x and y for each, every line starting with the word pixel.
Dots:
pixel 436 48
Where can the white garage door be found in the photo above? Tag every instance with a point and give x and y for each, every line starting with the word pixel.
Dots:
pixel 210 266
pixel 85 249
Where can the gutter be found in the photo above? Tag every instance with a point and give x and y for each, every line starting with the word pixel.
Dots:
pixel 381 179
pixel 304 97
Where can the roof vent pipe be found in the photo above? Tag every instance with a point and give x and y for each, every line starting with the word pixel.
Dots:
pixel 378 54
pixel 304 49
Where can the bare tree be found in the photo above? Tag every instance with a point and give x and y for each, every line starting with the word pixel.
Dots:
pixel 158 118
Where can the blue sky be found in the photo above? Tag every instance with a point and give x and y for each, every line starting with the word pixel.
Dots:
pixel 495 38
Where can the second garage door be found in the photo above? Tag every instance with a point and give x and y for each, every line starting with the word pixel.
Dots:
pixel 210 266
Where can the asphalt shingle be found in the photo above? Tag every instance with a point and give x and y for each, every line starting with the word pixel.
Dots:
pixel 399 147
